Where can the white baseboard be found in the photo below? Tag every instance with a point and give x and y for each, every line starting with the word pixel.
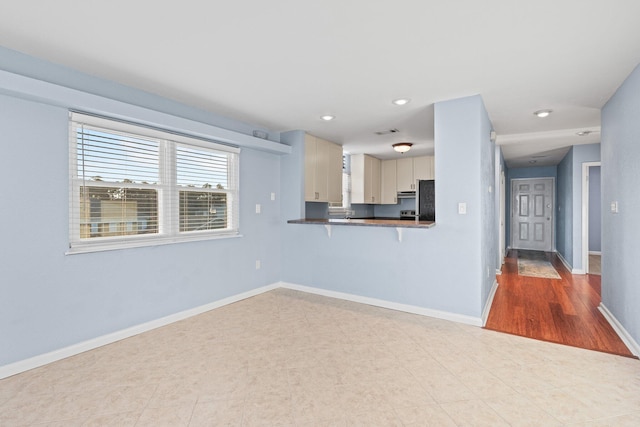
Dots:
pixel 620 330
pixel 595 253
pixel 569 267
pixel 489 303
pixel 445 315
pixel 43 359
pixel 72 350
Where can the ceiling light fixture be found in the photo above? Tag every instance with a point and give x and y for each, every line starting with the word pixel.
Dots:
pixel 327 117
pixel 583 132
pixel 402 147
pixel 401 101
pixel 542 113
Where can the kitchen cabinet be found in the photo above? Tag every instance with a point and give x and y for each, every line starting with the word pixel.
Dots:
pixel 423 167
pixel 388 179
pixel 323 170
pixel 365 179
pixel 410 169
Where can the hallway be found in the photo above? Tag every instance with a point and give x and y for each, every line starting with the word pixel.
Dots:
pixel 562 311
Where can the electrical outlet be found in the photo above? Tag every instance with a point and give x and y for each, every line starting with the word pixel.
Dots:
pixel 258 208
pixel 258 264
pixel 462 208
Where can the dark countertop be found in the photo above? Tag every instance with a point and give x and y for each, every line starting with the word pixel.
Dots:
pixel 367 222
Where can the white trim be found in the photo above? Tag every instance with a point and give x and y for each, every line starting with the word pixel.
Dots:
pixel 620 330
pixel 585 214
pixel 53 356
pixel 568 266
pixel 489 303
pixel 499 271
pixel 595 253
pixel 445 315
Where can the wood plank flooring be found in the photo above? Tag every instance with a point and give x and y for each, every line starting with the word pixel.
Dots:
pixel 562 311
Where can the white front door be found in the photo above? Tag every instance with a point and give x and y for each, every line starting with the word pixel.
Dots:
pixel 532 214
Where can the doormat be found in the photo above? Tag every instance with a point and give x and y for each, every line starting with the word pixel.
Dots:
pixel 535 264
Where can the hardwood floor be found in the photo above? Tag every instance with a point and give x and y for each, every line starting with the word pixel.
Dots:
pixel 562 311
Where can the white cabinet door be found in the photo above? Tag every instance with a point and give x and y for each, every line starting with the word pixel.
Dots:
pixel 374 178
pixel 365 179
pixel 323 170
pixel 310 168
pixel 389 191
pixel 422 168
pixel 334 181
pixel 404 174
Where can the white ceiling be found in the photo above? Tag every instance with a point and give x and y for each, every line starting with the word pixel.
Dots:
pixel 284 63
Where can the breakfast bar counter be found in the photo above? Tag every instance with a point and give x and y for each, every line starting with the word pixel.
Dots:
pixel 397 223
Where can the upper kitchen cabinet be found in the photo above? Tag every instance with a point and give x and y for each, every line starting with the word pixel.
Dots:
pixel 410 169
pixel 365 179
pixel 323 170
pixel 389 190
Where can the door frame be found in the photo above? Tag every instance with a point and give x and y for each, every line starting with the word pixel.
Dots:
pixel 585 214
pixel 502 252
pixel 553 209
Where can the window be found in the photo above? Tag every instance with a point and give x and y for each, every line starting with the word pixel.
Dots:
pixel 135 186
pixel 344 207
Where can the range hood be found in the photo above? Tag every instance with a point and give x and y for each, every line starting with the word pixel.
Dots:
pixel 406 194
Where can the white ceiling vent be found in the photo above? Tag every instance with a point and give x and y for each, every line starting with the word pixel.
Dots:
pixel 387 132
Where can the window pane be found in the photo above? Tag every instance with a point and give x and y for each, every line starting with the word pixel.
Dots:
pixel 202 211
pixel 111 157
pixel 117 211
pixel 201 168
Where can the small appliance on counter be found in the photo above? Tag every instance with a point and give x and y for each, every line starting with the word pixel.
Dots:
pixel 408 214
pixel 426 200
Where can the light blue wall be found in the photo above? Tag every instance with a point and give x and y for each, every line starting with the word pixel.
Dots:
pixel 595 210
pixel 569 202
pixel 515 173
pixel 49 300
pixel 564 207
pixel 620 183
pixel 581 154
pixel 488 196
pixel 424 269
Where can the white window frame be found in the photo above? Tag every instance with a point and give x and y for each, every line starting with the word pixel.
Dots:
pixel 168 189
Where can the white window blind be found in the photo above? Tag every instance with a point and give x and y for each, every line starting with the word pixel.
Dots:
pixel 134 186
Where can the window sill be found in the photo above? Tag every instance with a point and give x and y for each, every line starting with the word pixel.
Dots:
pixel 84 248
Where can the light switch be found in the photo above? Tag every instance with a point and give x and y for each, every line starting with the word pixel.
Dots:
pixel 273 196
pixel 462 208
pixel 258 208
pixel 614 207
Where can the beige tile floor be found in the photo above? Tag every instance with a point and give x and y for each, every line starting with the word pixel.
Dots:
pixel 287 358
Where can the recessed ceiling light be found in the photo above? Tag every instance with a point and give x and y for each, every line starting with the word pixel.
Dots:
pixel 327 117
pixel 533 161
pixel 542 113
pixel 401 101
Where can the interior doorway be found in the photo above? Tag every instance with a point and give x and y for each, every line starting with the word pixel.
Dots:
pixel 591 218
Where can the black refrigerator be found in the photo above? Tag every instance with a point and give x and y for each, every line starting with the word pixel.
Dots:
pixel 426 200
